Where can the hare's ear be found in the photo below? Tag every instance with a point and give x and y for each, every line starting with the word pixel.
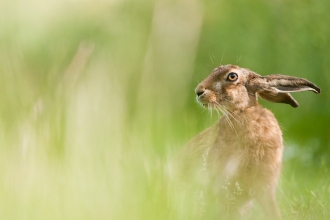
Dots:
pixel 277 88
pixel 278 98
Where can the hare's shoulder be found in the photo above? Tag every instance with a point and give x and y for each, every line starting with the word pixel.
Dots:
pixel 202 141
pixel 190 158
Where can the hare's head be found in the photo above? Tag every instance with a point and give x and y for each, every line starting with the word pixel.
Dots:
pixel 237 88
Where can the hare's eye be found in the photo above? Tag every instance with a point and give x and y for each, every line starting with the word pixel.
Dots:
pixel 232 77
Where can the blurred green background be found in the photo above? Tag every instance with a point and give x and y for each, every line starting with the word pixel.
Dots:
pixel 98 96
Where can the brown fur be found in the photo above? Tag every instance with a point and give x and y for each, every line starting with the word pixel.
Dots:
pixel 244 148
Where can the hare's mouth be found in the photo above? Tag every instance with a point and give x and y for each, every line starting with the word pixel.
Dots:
pixel 207 103
pixel 207 100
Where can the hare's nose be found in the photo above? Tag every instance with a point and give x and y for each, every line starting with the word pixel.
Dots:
pixel 200 89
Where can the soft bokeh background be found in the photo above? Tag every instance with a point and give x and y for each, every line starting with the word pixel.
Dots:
pixel 97 96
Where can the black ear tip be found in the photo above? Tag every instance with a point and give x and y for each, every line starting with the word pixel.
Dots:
pixel 315 89
pixel 294 104
pixel 292 101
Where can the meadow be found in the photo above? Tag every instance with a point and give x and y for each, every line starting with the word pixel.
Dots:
pixel 97 98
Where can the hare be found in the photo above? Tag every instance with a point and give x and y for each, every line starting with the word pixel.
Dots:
pixel 242 152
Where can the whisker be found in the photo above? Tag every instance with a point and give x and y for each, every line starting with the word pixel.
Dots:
pixel 225 113
pixel 231 113
pixel 231 124
pixel 222 56
pixel 210 109
pixel 211 58
pixel 238 59
pixel 217 110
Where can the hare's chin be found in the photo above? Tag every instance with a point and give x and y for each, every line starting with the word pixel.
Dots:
pixel 207 104
pixel 206 101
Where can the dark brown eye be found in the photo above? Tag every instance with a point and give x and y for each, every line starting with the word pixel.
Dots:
pixel 232 77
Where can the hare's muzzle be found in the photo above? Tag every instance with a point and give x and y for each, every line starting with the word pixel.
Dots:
pixel 205 96
pixel 200 89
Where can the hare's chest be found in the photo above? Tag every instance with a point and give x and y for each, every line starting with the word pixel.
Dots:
pixel 244 160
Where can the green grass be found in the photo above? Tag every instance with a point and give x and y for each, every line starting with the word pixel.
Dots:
pixel 304 192
pixel 97 99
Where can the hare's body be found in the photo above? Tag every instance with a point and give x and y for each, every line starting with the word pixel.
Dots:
pixel 243 150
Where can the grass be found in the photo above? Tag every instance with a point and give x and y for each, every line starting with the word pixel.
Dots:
pixel 97 99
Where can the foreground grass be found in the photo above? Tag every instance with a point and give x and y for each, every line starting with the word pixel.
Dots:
pixel 98 183
pixel 304 192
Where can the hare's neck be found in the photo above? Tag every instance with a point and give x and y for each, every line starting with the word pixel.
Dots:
pixel 243 123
